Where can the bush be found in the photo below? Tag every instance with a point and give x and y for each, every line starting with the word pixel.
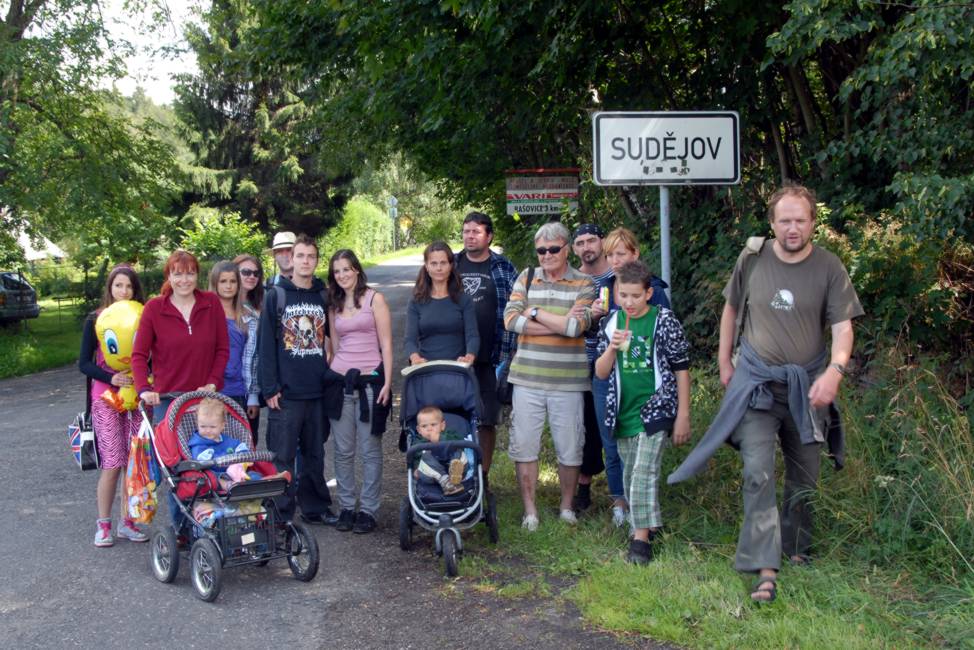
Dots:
pixel 220 235
pixel 364 228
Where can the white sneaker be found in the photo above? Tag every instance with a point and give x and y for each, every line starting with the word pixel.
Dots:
pixel 619 516
pixel 130 532
pixel 568 516
pixel 530 523
pixel 103 534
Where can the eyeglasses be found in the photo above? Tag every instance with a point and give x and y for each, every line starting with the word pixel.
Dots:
pixel 249 272
pixel 554 250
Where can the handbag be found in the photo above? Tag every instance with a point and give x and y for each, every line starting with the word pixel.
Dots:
pixel 81 437
pixel 505 389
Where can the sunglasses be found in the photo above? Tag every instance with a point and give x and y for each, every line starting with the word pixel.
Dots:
pixel 554 250
pixel 249 272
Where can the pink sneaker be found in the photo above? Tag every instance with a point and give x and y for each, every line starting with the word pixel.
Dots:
pixel 128 530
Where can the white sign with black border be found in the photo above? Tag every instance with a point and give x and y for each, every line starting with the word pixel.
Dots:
pixel 666 148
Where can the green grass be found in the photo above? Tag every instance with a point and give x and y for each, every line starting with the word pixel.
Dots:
pixel 691 595
pixel 48 341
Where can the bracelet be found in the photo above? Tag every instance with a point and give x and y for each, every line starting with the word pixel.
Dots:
pixel 839 367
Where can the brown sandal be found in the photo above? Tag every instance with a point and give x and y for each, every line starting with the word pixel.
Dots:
pixel 772 591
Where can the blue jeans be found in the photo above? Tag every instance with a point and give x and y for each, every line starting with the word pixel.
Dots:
pixel 613 464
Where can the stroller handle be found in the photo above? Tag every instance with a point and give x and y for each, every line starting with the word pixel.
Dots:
pixel 445 445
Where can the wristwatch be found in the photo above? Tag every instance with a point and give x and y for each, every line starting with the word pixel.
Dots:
pixel 839 367
pixel 533 314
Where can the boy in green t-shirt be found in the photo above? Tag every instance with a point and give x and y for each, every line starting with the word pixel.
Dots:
pixel 643 352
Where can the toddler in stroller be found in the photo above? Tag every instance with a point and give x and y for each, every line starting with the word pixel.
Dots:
pixel 438 418
pixel 211 441
pixel 235 523
pixel 447 468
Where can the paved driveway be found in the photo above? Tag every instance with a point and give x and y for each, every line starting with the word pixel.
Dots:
pixel 58 590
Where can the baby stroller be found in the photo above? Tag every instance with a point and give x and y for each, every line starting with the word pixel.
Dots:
pixel 452 387
pixel 243 535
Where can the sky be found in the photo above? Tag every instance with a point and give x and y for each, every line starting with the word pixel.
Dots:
pixel 150 67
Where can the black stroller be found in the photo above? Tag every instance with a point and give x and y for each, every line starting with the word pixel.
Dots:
pixel 451 387
pixel 253 537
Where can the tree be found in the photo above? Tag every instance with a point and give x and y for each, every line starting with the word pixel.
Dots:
pixel 68 164
pixel 255 151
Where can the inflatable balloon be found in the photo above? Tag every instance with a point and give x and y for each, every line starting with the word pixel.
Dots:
pixel 115 328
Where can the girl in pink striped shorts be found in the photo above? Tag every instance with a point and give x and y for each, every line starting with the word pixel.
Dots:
pixel 113 430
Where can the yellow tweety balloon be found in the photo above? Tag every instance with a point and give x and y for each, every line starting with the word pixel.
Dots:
pixel 115 327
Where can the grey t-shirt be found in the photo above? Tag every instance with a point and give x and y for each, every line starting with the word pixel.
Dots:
pixel 789 305
pixel 442 329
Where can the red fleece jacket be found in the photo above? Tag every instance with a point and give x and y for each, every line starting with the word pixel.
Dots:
pixel 184 356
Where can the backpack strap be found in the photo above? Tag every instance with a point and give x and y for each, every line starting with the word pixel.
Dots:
pixel 527 284
pixel 753 248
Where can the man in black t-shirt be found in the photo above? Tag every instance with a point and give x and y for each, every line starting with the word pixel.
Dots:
pixel 487 278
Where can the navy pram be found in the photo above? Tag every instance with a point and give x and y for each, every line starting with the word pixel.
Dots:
pixel 451 387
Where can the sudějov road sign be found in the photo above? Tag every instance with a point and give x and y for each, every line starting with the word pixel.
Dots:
pixel 666 148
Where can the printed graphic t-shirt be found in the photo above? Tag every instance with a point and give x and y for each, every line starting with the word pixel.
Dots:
pixel 479 285
pixel 636 375
pixel 789 305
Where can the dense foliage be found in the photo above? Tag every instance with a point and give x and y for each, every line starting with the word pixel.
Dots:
pixel 869 103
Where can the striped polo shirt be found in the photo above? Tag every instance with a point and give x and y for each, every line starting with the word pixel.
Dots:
pixel 551 361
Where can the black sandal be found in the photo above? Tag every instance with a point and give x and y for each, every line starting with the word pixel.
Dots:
pixel 772 591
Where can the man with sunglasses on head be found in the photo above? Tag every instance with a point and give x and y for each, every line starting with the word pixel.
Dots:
pixel 488 278
pixel 550 368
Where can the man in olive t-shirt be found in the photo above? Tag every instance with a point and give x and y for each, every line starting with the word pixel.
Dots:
pixel 794 289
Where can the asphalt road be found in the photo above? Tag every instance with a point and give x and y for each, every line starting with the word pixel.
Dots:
pixel 58 590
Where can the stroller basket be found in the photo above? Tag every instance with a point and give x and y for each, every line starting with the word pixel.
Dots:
pixel 245 535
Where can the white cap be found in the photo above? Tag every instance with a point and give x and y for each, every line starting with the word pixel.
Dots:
pixel 284 239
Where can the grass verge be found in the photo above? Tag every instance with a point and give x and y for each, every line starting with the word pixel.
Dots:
pixel 855 595
pixel 48 341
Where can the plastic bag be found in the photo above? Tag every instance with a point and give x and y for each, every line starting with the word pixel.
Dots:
pixel 142 477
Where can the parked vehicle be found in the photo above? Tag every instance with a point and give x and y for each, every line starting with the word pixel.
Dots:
pixel 18 300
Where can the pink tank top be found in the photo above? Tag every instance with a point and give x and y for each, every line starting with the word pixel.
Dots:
pixel 358 340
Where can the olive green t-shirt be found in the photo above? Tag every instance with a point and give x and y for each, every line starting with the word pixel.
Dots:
pixel 790 305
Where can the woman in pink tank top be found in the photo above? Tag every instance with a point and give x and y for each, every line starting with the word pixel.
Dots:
pixel 360 350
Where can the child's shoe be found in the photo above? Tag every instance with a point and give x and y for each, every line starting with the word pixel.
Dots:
pixel 449 487
pixel 458 467
pixel 103 533
pixel 639 552
pixel 129 531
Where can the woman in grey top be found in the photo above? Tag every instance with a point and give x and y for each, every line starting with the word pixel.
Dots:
pixel 440 321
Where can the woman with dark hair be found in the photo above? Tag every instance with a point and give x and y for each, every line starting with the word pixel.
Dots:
pixel 184 332
pixel 440 320
pixel 225 283
pixel 113 429
pixel 359 347
pixel 251 279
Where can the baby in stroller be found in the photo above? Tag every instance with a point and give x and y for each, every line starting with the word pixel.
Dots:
pixel 209 441
pixel 436 466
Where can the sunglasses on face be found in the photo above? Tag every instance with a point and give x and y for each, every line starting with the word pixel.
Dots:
pixel 554 250
pixel 249 272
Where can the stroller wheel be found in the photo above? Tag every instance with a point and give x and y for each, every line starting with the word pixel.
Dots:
pixel 165 554
pixel 405 524
pixel 490 518
pixel 450 557
pixel 206 569
pixel 302 552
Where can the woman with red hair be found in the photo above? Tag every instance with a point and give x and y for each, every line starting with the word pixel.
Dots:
pixel 184 332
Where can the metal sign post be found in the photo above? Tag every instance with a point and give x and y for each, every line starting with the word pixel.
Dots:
pixel 666 148
pixel 393 214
